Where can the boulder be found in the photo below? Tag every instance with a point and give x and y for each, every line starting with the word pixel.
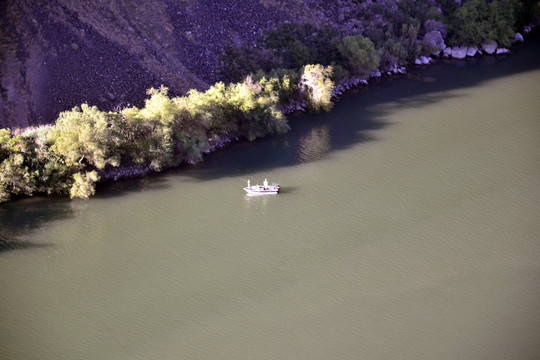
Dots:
pixel 489 46
pixel 425 60
pixel 434 42
pixel 502 51
pixel 417 62
pixel 472 50
pixel 518 37
pixel 459 52
pixel 447 51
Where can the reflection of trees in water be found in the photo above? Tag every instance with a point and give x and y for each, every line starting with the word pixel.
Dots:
pixel 314 145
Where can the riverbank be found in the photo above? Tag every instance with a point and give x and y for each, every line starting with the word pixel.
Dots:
pixel 87 145
pixel 458 53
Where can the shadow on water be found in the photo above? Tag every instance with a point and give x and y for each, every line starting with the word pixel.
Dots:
pixel 151 182
pixel 288 189
pixel 20 217
pixel 356 116
pixel 355 119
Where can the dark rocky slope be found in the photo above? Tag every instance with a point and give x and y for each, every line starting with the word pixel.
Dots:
pixel 57 54
pixel 60 53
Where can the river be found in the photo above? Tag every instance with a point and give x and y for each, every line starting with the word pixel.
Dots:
pixel 408 228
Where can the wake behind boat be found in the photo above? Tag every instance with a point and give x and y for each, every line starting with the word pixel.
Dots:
pixel 263 189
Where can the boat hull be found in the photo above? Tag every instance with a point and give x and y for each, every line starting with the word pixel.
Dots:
pixel 262 190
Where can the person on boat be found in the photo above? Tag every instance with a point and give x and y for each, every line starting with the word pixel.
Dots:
pixel 265 183
pixel 249 183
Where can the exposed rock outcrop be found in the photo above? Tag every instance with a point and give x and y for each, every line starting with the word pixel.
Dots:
pixel 472 50
pixel 489 46
pixel 447 52
pixel 459 52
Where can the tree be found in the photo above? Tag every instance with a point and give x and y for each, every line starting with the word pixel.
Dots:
pixel 84 136
pixel 477 20
pixel 256 112
pixel 317 85
pixel 360 54
pixel 83 185
pixel 16 177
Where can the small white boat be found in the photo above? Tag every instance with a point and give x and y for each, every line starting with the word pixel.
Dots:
pixel 263 189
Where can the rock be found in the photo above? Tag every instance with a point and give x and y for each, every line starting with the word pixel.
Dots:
pixel 472 50
pixel 417 62
pixel 434 41
pixel 527 29
pixel 518 37
pixel 447 51
pixel 502 51
pixel 489 46
pixel 425 60
pixel 459 52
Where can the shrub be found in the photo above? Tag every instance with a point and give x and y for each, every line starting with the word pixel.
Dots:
pixel 84 185
pixel 476 21
pixel 317 86
pixel 83 136
pixel 360 54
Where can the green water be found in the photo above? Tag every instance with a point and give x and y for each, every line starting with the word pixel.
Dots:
pixel 407 229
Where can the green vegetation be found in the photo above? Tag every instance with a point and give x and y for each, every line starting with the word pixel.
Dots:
pixel 71 156
pixel 378 35
pixel 360 54
pixel 288 46
pixel 318 86
pixel 477 20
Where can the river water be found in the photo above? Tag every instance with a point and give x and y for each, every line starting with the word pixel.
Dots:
pixel 408 228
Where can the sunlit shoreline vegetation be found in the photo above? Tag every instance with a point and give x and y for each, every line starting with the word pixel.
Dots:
pixel 85 143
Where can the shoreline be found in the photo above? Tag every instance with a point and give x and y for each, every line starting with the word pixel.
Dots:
pixel 83 184
pixel 110 173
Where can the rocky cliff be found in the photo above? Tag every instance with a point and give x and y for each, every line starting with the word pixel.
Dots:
pixel 56 54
